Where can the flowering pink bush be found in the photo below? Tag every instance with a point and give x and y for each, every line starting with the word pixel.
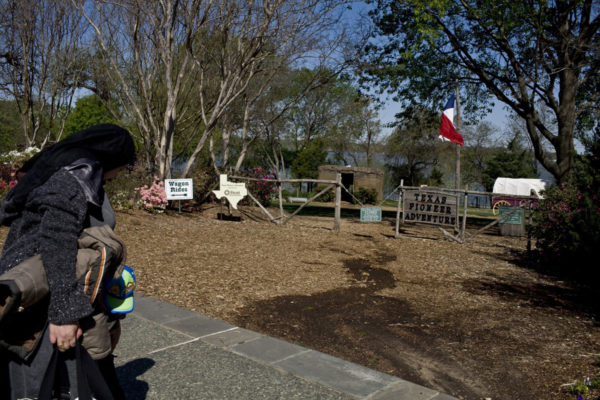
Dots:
pixel 153 198
pixel 7 178
pixel 262 190
pixel 3 187
pixel 9 165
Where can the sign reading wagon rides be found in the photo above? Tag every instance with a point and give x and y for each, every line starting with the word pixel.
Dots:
pixel 430 207
pixel 179 189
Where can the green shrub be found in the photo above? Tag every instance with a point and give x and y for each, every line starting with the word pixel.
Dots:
pixel 205 181
pixel 366 196
pixel 287 193
pixel 566 223
pixel 7 179
pixel 262 190
pixel 326 197
pixel 579 388
pixel 121 190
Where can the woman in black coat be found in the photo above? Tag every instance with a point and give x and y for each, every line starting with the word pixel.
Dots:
pixel 60 193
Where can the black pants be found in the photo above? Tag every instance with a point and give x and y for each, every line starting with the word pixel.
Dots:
pixel 107 368
pixel 4 381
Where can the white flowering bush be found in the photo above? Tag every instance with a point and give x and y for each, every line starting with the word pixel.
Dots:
pixel 17 158
pixel 9 165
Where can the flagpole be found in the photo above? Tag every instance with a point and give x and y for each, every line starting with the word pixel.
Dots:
pixel 458 123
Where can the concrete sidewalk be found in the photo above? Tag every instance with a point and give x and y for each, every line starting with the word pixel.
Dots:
pixel 167 352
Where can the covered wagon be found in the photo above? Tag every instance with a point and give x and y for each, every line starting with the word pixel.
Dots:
pixel 517 192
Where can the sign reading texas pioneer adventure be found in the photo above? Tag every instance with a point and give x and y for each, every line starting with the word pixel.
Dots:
pixel 232 191
pixel 179 189
pixel 430 207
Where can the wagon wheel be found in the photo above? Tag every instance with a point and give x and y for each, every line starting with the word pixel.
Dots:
pixel 496 207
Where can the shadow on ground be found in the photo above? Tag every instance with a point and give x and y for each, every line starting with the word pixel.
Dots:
pixel 134 388
pixel 358 325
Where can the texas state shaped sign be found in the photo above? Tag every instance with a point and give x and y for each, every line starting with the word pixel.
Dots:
pixel 232 191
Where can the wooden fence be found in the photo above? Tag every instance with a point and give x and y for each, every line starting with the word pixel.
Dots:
pixel 431 206
pixel 459 224
pixel 282 218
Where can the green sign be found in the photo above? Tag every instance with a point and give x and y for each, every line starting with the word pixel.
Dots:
pixel 514 219
pixel 370 214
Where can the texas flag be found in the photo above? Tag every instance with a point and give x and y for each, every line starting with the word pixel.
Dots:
pixel 447 130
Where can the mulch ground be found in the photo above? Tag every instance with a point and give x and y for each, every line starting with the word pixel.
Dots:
pixel 474 321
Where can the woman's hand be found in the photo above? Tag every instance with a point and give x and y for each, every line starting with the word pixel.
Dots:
pixel 65 336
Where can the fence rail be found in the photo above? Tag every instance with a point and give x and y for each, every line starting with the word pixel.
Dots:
pixel 461 195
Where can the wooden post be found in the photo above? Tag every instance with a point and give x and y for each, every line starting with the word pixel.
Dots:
pixel 280 186
pixel 458 128
pixel 464 221
pixel 400 204
pixel 530 212
pixel 338 202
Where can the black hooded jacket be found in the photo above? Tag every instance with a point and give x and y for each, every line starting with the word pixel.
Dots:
pixel 51 205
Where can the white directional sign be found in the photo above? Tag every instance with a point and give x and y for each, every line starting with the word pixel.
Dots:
pixel 179 189
pixel 232 191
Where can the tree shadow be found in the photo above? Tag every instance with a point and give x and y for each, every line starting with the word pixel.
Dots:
pixel 570 286
pixel 559 295
pixel 357 324
pixel 128 374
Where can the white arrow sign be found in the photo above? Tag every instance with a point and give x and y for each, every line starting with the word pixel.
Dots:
pixel 179 189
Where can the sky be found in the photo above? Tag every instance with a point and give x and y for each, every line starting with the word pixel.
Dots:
pixel 498 117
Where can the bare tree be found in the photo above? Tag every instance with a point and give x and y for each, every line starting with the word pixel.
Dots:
pixel 256 39
pixel 353 129
pixel 371 132
pixel 39 46
pixel 179 65
pixel 480 140
pixel 266 109
pixel 143 44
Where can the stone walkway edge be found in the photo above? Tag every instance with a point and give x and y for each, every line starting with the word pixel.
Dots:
pixel 349 378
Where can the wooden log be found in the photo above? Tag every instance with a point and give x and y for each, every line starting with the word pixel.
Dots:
pixel 458 239
pixel 261 207
pixel 491 224
pixel 284 180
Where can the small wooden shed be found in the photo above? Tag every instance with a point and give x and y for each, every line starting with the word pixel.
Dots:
pixel 354 178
